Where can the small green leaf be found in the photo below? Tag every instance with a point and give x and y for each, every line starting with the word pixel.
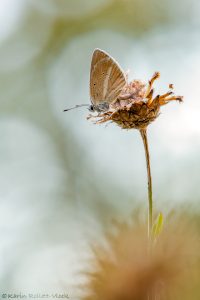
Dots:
pixel 157 226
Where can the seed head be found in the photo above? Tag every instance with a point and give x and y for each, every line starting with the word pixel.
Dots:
pixel 136 106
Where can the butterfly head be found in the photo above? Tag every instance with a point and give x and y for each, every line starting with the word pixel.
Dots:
pixel 91 108
pixel 101 107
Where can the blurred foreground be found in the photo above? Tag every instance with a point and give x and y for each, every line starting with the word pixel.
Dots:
pixel 128 268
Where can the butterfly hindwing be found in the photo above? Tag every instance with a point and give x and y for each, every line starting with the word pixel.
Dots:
pixel 106 78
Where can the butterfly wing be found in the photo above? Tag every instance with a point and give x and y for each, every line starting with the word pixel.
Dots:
pixel 106 78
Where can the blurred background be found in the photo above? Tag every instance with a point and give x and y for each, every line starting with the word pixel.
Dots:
pixel 63 179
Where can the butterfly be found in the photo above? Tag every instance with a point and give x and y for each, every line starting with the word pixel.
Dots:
pixel 107 79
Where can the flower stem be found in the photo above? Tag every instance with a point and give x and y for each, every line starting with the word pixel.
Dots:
pixel 143 133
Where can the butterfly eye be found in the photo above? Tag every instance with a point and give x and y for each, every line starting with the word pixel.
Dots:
pixel 91 108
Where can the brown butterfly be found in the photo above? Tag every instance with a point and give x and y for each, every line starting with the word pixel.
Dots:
pixel 107 80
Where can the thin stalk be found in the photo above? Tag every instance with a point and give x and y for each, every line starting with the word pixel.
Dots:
pixel 143 133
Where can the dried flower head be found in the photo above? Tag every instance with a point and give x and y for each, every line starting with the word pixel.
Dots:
pixel 128 272
pixel 136 106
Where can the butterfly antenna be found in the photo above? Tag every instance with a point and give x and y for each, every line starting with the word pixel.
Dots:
pixel 76 106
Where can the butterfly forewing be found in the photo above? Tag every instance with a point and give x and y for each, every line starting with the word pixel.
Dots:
pixel 106 78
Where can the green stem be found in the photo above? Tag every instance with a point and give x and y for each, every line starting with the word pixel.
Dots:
pixel 143 133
